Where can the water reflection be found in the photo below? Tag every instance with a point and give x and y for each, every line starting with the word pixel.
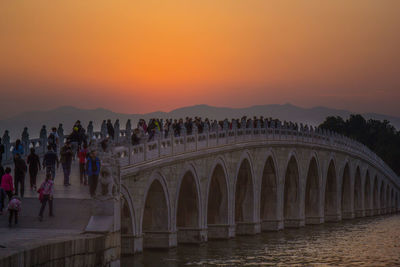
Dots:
pixel 364 242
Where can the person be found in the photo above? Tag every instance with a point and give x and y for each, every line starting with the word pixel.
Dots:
pixel 104 144
pixel 14 206
pixel 20 170
pixel 7 183
pixel 2 150
pixel 110 129
pixel 46 190
pixel 82 162
pixel 93 169
pixel 53 139
pixel 135 137
pixel 50 160
pixel 74 139
pixel 2 192
pixel 34 167
pixel 66 161
pixel 18 149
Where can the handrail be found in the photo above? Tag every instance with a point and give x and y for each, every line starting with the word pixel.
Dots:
pixel 162 146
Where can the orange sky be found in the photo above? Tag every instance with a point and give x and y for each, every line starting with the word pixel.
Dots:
pixel 142 56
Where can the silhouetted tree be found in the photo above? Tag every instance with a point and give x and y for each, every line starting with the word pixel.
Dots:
pixel 380 136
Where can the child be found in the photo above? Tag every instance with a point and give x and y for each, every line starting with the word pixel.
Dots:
pixel 47 190
pixel 14 206
pixel 7 183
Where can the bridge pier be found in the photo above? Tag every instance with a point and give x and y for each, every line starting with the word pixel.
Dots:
pixel 369 212
pixel 315 220
pixel 360 213
pixel 347 215
pixel 131 244
pixel 294 223
pixel 333 217
pixel 377 212
pixel 248 228
pixel 271 225
pixel 220 231
pixel 187 235
pixel 159 239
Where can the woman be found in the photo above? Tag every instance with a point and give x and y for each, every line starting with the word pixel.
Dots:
pixel 34 167
pixel 46 190
pixel 7 183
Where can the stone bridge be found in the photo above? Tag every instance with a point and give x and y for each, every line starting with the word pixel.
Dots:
pixel 241 181
pixel 228 181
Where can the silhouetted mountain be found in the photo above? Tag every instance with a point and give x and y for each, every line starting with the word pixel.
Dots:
pixel 68 115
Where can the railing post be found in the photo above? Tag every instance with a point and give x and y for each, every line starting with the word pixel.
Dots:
pixel 159 144
pixel 145 149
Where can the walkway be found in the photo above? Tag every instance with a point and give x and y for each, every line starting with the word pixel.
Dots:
pixel 72 206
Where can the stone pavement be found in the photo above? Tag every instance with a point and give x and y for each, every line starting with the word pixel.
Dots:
pixel 72 209
pixel 75 191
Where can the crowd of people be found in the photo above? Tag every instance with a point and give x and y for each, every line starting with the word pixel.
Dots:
pixel 148 130
pixel 78 146
pixel 12 187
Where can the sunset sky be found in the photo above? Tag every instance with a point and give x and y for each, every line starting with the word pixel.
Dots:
pixel 143 55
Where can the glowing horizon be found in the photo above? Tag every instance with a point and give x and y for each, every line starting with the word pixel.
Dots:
pixel 142 56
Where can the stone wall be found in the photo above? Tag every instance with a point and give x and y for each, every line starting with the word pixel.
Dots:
pixel 83 250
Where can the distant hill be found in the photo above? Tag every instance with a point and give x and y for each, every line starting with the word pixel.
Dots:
pixel 68 115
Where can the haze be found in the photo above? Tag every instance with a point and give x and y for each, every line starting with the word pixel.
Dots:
pixel 143 56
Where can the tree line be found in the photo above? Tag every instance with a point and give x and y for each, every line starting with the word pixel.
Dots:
pixel 379 136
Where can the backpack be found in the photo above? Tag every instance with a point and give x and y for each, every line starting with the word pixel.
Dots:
pixel 51 139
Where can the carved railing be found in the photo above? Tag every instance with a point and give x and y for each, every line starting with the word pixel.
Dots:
pixel 167 145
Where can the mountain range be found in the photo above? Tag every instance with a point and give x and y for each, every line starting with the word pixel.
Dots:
pixel 67 115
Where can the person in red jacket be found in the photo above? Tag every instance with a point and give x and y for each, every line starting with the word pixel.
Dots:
pixel 83 154
pixel 7 183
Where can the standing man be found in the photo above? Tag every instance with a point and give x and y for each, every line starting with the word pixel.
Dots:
pixel 49 162
pixel 34 167
pixel 53 139
pixel 110 129
pixel 19 174
pixel 93 169
pixel 66 161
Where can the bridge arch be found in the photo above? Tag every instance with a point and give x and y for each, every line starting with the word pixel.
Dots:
pixel 128 218
pixel 269 193
pixel 376 197
pixel 358 196
pixel 347 211
pixel 244 191
pixel 387 210
pixel 188 201
pixel 291 204
pixel 392 201
pixel 217 198
pixel 368 200
pixel 156 216
pixel 313 192
pixel 331 192
pixel 382 198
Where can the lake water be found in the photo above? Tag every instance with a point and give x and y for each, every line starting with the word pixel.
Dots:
pixel 373 241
